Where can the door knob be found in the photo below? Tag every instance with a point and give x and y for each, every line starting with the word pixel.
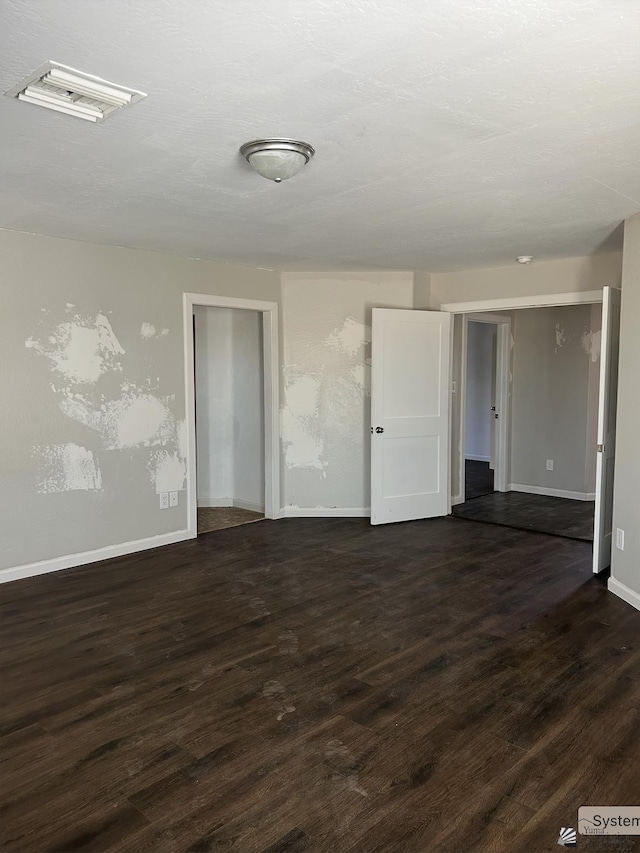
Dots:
pixel 379 429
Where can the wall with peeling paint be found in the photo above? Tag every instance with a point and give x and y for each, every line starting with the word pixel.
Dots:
pixel 325 417
pixel 555 357
pixel 92 385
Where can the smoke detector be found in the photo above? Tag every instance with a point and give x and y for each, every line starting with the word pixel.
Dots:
pixel 67 90
pixel 524 259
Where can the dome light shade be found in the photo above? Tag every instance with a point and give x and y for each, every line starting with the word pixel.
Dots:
pixel 277 159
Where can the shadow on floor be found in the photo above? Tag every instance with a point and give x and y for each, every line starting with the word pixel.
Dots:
pixel 221 517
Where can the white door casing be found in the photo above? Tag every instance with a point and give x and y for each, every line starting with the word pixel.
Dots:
pixel 607 402
pixel 410 414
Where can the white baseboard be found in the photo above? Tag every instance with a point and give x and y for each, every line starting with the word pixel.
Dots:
pixel 472 458
pixel 552 493
pixel 327 512
pixel 249 505
pixel 29 570
pixel 457 499
pixel 229 502
pixel 624 592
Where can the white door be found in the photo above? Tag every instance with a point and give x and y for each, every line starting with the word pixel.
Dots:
pixel 607 401
pixel 491 414
pixel 410 405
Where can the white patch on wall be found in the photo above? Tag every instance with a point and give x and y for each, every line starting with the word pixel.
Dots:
pixel 591 343
pixel 350 337
pixel 168 471
pixel 135 419
pixel 80 350
pixel 67 468
pixel 183 438
pixel 561 337
pixel 148 331
pixel 362 377
pixel 303 448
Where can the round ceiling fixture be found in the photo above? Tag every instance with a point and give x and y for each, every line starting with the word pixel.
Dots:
pixel 524 259
pixel 277 159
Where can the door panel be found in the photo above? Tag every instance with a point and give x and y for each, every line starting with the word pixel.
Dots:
pixel 410 414
pixel 607 402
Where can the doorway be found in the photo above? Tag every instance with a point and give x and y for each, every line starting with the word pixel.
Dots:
pixel 231 372
pixel 417 409
pixel 229 417
pixel 484 411
pixel 551 422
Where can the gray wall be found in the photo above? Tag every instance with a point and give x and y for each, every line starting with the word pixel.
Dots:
pixel 569 275
pixel 552 413
pixel 625 565
pixel 214 404
pixel 248 408
pixel 479 390
pixel 229 407
pixel 326 405
pixel 92 385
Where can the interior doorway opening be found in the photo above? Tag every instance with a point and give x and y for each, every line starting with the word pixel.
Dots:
pixel 559 419
pixel 231 373
pixel 229 406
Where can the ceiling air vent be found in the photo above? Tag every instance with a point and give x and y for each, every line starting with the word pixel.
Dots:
pixel 66 90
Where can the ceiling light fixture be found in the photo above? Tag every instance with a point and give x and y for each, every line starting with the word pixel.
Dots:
pixel 277 159
pixel 524 259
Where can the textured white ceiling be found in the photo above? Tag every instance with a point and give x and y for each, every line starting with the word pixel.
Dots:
pixel 449 134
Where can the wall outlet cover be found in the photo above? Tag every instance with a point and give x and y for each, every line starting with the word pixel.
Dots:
pixel 549 464
pixel 173 499
pixel 619 539
pixel 164 500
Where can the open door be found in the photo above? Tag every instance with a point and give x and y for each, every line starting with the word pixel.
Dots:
pixel 492 414
pixel 607 401
pixel 410 405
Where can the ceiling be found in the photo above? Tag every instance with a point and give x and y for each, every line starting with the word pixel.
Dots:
pixel 449 135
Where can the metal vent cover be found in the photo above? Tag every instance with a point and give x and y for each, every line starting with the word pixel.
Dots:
pixel 67 90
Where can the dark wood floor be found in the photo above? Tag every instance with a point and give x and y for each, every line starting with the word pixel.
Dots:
pixel 556 516
pixel 321 685
pixel 478 479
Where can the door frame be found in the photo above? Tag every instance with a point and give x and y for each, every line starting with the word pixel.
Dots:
pixel 506 303
pixel 503 400
pixel 269 311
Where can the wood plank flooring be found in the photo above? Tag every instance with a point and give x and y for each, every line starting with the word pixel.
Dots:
pixel 544 514
pixel 318 685
pixel 478 479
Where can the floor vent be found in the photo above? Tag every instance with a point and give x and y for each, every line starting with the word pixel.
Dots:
pixel 66 90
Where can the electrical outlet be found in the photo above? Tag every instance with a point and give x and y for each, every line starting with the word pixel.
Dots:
pixel 549 464
pixel 173 499
pixel 164 500
pixel 619 539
